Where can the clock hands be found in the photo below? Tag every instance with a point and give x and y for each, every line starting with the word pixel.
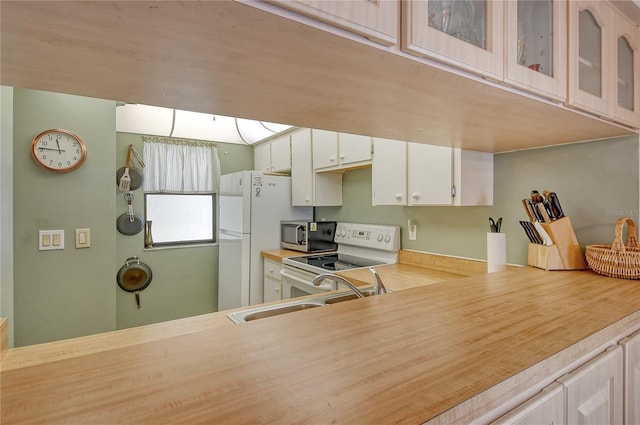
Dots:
pixel 58 144
pixel 49 149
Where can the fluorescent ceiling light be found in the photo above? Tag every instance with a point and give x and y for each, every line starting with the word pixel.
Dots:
pixel 157 121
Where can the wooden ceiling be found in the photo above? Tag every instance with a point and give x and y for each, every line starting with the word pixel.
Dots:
pixel 230 58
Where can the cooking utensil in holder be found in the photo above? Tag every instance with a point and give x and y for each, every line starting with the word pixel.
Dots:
pixel 617 260
pixel 564 254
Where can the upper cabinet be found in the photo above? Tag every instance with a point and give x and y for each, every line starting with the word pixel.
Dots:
pixel 603 61
pixel 590 56
pixel 273 156
pixel 465 33
pixel 376 20
pixel 417 174
pixel 536 47
pixel 334 151
pixel 627 62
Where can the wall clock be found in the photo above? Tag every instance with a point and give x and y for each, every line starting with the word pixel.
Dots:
pixel 58 150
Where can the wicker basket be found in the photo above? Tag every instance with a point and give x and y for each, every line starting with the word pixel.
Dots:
pixel 617 260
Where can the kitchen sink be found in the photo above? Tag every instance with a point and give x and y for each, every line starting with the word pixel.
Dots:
pixel 256 313
pixel 346 297
pixel 281 310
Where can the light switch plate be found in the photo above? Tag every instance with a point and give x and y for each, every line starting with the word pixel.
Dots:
pixel 83 238
pixel 50 239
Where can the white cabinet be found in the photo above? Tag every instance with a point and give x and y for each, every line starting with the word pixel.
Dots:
pixel 309 188
pixel 536 47
pixel 468 34
pixel 429 174
pixel 273 156
pixel 388 173
pixel 594 391
pixel 626 53
pixel 590 56
pixel 262 157
pixel 336 151
pixel 546 408
pixel 376 20
pixel 631 347
pixel 272 280
pixel 417 174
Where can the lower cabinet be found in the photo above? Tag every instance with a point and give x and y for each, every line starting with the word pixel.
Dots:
pixel 272 280
pixel 546 408
pixel 598 392
pixel 594 391
pixel 631 362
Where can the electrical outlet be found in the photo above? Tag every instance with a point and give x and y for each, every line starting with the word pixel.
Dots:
pixel 50 239
pixel 413 230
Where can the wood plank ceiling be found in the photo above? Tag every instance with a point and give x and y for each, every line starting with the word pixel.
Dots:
pixel 229 58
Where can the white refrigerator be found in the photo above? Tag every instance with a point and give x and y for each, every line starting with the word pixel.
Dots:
pixel 251 207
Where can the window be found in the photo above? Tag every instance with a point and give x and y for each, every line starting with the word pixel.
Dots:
pixel 181 218
pixel 181 179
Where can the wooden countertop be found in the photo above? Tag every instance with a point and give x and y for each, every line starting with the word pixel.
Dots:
pixel 404 357
pixel 279 254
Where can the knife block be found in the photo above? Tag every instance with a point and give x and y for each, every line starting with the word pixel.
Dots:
pixel 564 254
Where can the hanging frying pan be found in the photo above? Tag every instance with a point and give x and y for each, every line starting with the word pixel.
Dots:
pixel 134 173
pixel 134 276
pixel 130 223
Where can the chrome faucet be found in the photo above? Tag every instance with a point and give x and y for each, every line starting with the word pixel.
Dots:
pixel 380 289
pixel 318 279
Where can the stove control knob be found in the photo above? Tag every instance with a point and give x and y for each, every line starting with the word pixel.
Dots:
pixel 387 238
pixel 343 233
pixel 380 237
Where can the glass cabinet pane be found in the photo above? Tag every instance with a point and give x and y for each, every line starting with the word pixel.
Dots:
pixel 625 74
pixel 590 52
pixel 535 35
pixel 465 20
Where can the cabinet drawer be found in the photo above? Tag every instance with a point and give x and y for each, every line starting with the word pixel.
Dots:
pixel 272 269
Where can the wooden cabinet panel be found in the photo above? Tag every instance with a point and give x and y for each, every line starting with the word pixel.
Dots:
pixel 430 174
pixel 546 408
pixel 376 20
pixel 536 47
pixel 631 347
pixel 389 172
pixel 591 56
pixel 472 177
pixel 466 34
pixel 594 391
pixel 626 55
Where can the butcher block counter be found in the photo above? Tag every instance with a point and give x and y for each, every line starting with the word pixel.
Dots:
pixel 450 352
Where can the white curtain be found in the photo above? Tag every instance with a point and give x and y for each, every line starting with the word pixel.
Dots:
pixel 180 166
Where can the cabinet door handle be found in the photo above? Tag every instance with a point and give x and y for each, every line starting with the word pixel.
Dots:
pixel 398 196
pixel 415 195
pixel 276 290
pixel 341 156
pixel 307 200
pixel 332 158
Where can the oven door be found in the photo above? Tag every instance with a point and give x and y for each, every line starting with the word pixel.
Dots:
pixel 297 283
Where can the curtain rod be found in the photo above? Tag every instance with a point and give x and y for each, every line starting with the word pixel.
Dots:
pixel 176 141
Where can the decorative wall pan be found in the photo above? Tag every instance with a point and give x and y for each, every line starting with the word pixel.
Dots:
pixel 134 277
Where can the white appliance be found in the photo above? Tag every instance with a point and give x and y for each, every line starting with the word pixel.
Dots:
pixel 251 207
pixel 359 245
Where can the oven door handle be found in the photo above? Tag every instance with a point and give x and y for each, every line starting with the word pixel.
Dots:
pixel 286 275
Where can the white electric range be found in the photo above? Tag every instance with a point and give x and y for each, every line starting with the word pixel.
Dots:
pixel 359 245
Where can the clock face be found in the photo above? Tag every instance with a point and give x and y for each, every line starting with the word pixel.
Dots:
pixel 58 150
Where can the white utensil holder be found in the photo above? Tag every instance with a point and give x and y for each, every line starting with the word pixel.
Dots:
pixel 496 252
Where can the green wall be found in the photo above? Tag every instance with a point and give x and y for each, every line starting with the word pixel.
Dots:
pixel 71 292
pixel 185 280
pixel 6 207
pixel 595 181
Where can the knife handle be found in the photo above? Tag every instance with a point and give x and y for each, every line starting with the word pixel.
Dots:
pixel 555 204
pixel 527 210
pixel 543 213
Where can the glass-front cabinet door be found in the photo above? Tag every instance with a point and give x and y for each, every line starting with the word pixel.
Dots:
pixel 591 56
pixel 465 33
pixel 627 64
pixel 536 47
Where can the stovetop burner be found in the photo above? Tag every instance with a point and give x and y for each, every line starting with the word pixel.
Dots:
pixel 336 261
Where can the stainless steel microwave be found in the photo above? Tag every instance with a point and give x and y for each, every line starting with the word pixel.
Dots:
pixel 308 236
